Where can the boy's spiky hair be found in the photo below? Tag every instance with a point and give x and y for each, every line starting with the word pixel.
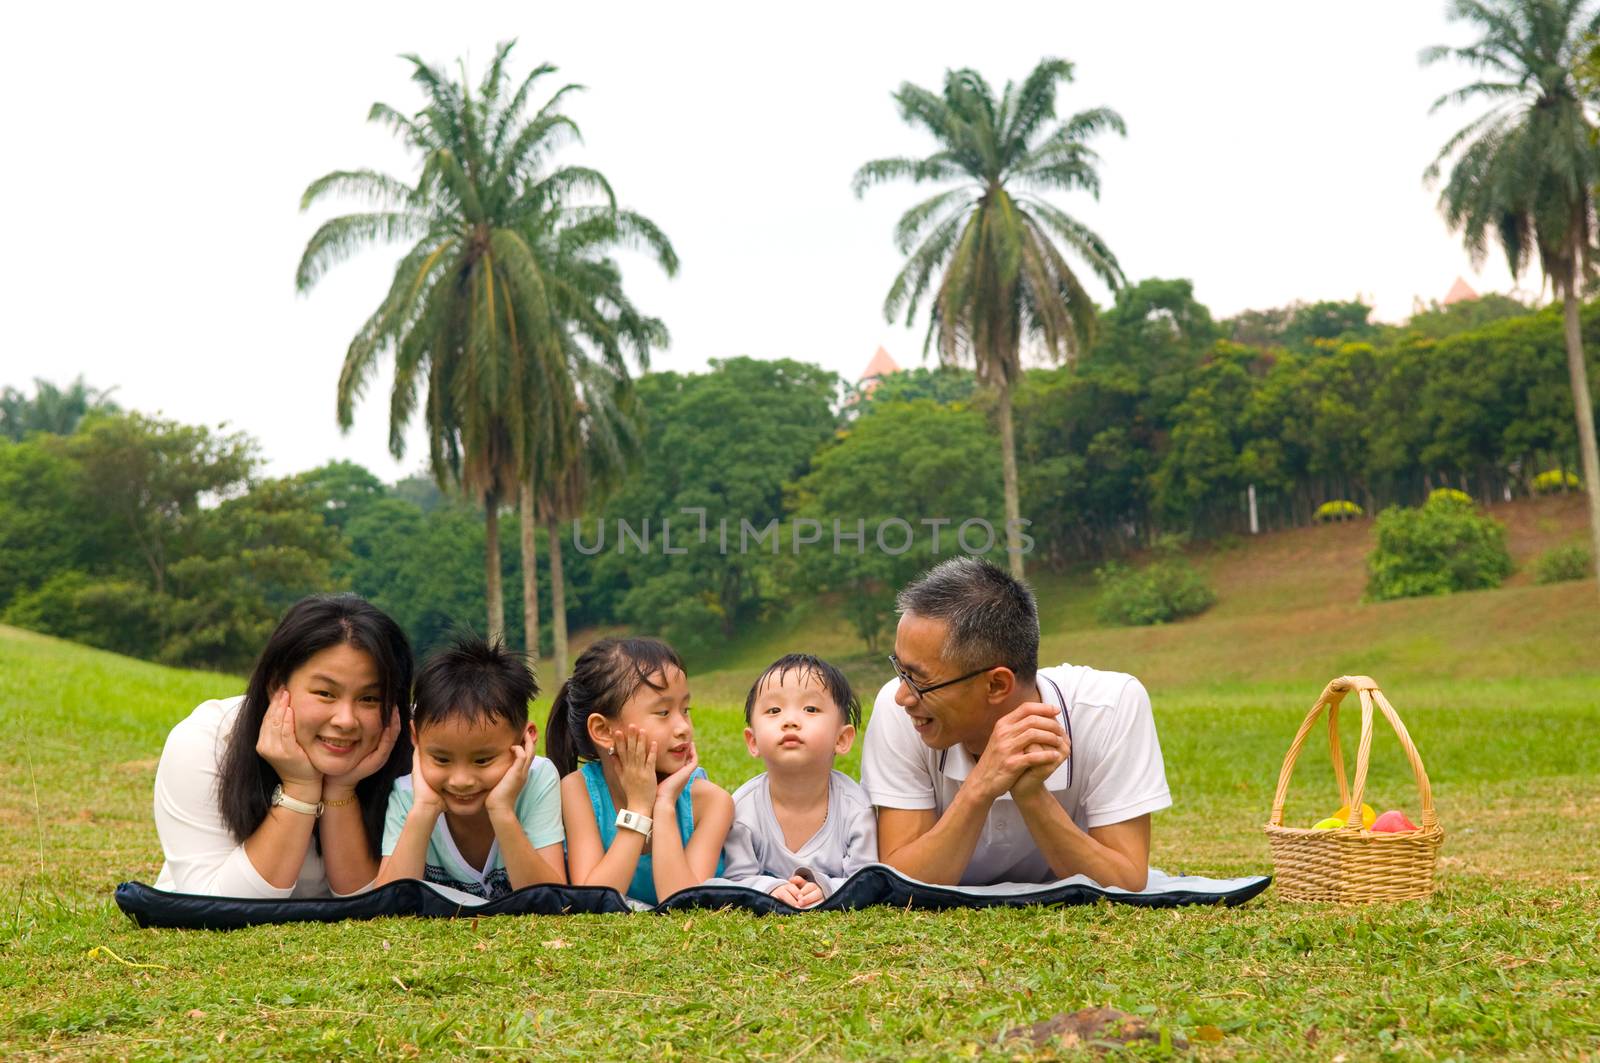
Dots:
pixel 833 681
pixel 476 679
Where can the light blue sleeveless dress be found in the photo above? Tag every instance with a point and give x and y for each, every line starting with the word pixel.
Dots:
pixel 643 886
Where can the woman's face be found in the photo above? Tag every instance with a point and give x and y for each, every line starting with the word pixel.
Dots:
pixel 663 717
pixel 338 708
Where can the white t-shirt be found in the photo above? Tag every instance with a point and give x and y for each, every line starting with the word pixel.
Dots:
pixel 756 854
pixel 1114 772
pixel 202 855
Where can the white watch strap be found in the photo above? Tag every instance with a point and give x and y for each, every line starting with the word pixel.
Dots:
pixel 294 804
pixel 628 819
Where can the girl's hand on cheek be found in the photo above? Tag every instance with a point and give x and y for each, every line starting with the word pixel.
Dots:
pixel 636 763
pixel 667 793
pixel 278 746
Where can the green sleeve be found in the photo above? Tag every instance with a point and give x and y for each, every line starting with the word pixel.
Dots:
pixel 539 805
pixel 395 819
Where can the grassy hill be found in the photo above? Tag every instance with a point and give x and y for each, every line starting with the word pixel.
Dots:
pixel 1500 689
pixel 1288 615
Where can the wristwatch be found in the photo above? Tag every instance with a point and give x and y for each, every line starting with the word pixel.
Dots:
pixel 294 804
pixel 628 819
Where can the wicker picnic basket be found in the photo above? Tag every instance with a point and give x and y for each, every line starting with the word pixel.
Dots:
pixel 1352 864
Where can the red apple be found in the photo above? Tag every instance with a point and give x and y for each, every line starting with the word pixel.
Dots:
pixel 1393 821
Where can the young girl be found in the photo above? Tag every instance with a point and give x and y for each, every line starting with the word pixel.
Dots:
pixel 641 816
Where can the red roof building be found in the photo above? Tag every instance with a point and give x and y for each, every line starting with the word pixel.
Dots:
pixel 880 366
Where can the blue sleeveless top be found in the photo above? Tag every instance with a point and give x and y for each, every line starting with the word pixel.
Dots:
pixel 643 886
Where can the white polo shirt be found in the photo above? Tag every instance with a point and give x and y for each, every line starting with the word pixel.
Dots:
pixel 1114 772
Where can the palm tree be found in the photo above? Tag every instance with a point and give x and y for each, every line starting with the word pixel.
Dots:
pixel 1524 173
pixel 992 240
pixel 469 315
pixel 52 409
pixel 599 328
pixel 609 438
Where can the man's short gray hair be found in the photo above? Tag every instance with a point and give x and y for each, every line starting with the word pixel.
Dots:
pixel 993 618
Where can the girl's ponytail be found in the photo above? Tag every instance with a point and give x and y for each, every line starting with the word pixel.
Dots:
pixel 603 678
pixel 566 741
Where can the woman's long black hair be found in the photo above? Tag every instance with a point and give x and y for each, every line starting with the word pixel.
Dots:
pixel 245 780
pixel 603 678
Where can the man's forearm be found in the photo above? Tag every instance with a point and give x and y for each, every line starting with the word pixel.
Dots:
pixel 1071 851
pixel 942 854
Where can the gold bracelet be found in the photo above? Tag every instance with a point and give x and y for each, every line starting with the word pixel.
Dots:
pixel 340 804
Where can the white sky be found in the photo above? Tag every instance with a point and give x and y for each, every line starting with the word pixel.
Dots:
pixel 155 161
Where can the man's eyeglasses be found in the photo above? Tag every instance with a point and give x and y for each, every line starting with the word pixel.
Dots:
pixel 922 691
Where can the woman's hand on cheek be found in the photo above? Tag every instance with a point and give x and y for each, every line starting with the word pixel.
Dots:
pixel 278 746
pixel 341 786
pixel 667 793
pixel 636 763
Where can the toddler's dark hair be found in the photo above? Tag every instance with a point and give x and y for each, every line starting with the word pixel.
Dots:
pixel 475 679
pixel 833 681
pixel 603 678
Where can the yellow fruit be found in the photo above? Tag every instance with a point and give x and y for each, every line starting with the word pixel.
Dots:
pixel 1331 823
pixel 1368 815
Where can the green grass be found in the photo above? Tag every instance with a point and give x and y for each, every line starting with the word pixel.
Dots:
pixel 1501 691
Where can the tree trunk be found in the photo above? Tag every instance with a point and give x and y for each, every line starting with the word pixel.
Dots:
pixel 1584 407
pixel 1008 467
pixel 558 600
pixel 491 565
pixel 530 575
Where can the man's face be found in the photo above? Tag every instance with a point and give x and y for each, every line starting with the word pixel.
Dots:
pixel 958 713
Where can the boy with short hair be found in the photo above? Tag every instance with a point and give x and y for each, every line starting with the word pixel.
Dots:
pixel 800 828
pixel 479 812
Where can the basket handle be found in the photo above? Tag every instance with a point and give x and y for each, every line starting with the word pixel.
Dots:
pixel 1370 695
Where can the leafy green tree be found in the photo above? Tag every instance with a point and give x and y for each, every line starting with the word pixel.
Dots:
pixel 474 315
pixel 1524 173
pixel 247 560
pixel 726 442
pixel 1438 322
pixel 988 247
pixel 151 475
pixel 943 384
pixel 52 409
pixel 898 464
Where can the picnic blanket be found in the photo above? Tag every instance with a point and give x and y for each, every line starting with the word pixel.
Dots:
pixel 874 885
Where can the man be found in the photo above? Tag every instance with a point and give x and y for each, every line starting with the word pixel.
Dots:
pixel 985 768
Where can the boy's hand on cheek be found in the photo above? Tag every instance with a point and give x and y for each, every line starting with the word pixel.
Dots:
pixel 424 799
pixel 503 798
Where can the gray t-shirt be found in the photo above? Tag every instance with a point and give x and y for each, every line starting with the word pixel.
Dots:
pixel 757 856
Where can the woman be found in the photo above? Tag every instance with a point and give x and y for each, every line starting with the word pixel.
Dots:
pixel 281 792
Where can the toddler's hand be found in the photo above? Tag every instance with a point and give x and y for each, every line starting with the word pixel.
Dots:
pixel 788 894
pixel 810 893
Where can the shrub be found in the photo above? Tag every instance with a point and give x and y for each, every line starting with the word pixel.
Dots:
pixel 1552 480
pixel 1338 509
pixel 1166 589
pixel 1443 546
pixel 113 615
pixel 1562 564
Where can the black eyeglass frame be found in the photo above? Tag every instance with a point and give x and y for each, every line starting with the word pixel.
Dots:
pixel 923 691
